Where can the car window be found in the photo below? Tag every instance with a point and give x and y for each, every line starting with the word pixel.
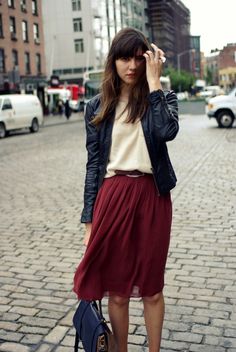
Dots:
pixel 7 105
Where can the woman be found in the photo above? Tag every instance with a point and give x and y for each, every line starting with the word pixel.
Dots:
pixel 127 204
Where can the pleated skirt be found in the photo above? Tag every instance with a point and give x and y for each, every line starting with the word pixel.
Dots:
pixel 127 250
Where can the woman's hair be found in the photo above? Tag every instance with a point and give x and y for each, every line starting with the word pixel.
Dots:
pixel 126 44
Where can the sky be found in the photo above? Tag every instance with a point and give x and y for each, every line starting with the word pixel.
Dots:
pixel 214 21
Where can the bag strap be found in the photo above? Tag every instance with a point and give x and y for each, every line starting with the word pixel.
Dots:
pixel 76 347
pixel 100 307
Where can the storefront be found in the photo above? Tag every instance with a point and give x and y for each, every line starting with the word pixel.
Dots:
pixel 12 83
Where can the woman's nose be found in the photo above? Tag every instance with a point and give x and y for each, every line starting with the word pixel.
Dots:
pixel 132 63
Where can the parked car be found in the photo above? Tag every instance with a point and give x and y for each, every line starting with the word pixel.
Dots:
pixel 210 92
pixel 19 111
pixel 223 109
pixel 182 96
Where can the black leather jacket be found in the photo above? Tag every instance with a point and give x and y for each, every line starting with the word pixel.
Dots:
pixel 160 124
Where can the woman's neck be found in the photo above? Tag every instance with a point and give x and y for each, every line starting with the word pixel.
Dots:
pixel 124 94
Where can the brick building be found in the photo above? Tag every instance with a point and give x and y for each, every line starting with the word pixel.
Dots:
pixel 227 67
pixel 212 67
pixel 22 62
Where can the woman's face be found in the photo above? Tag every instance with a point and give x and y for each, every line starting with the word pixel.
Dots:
pixel 129 68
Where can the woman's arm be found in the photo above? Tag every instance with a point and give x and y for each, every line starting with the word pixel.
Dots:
pixel 88 228
pixel 164 110
pixel 163 106
pixel 92 166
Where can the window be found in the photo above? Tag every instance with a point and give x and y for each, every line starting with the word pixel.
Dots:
pixel 76 5
pixel 78 70
pixel 25 31
pixel 34 7
pixel 2 60
pixel 12 25
pixel 11 4
pixel 77 24
pixel 57 72
pixel 6 104
pixel 36 33
pixel 1 27
pixel 38 63
pixel 15 58
pixel 79 45
pixel 23 5
pixel 27 63
pixel 12 22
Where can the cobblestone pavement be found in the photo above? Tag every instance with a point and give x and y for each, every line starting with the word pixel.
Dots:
pixel 41 240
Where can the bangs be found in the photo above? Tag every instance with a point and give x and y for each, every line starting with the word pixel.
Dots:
pixel 129 48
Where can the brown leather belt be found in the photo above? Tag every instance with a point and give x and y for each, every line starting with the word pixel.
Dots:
pixel 129 173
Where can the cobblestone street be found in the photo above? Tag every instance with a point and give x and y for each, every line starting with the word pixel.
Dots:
pixel 41 236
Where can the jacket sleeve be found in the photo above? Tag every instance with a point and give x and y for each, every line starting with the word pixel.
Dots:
pixel 164 110
pixel 92 166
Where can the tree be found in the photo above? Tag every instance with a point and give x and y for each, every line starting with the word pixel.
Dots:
pixel 209 76
pixel 180 81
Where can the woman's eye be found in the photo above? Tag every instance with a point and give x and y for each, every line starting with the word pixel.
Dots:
pixel 125 58
pixel 140 58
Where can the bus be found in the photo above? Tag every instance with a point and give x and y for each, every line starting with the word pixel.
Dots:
pixel 92 82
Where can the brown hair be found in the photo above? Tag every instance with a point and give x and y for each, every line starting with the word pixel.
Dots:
pixel 125 44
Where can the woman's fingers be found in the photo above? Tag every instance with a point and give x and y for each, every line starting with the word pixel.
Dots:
pixel 158 53
pixel 149 55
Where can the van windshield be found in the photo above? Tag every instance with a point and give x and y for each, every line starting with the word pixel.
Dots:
pixel 233 92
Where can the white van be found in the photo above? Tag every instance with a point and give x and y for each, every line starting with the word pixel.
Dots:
pixel 19 111
pixel 223 109
pixel 211 91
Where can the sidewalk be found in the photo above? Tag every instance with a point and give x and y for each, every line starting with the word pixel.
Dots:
pixel 42 181
pixel 51 120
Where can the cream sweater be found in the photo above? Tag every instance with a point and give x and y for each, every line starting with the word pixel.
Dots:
pixel 128 148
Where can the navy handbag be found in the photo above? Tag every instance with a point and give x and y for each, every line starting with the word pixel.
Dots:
pixel 91 328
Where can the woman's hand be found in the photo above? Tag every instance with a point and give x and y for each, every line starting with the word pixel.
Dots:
pixel 88 228
pixel 154 67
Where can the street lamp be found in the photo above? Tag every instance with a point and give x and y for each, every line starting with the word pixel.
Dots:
pixel 178 61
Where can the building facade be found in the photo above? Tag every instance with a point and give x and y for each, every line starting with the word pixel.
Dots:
pixel 78 33
pixel 227 67
pixel 212 67
pixel 195 56
pixel 170 30
pixel 22 61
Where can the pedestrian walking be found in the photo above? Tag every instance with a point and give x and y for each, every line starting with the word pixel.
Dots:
pixel 67 109
pixel 127 204
pixel 60 106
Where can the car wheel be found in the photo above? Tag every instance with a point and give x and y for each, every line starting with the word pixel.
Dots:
pixel 225 119
pixel 2 130
pixel 34 126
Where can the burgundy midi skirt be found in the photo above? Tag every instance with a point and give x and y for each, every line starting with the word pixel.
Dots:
pixel 127 250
